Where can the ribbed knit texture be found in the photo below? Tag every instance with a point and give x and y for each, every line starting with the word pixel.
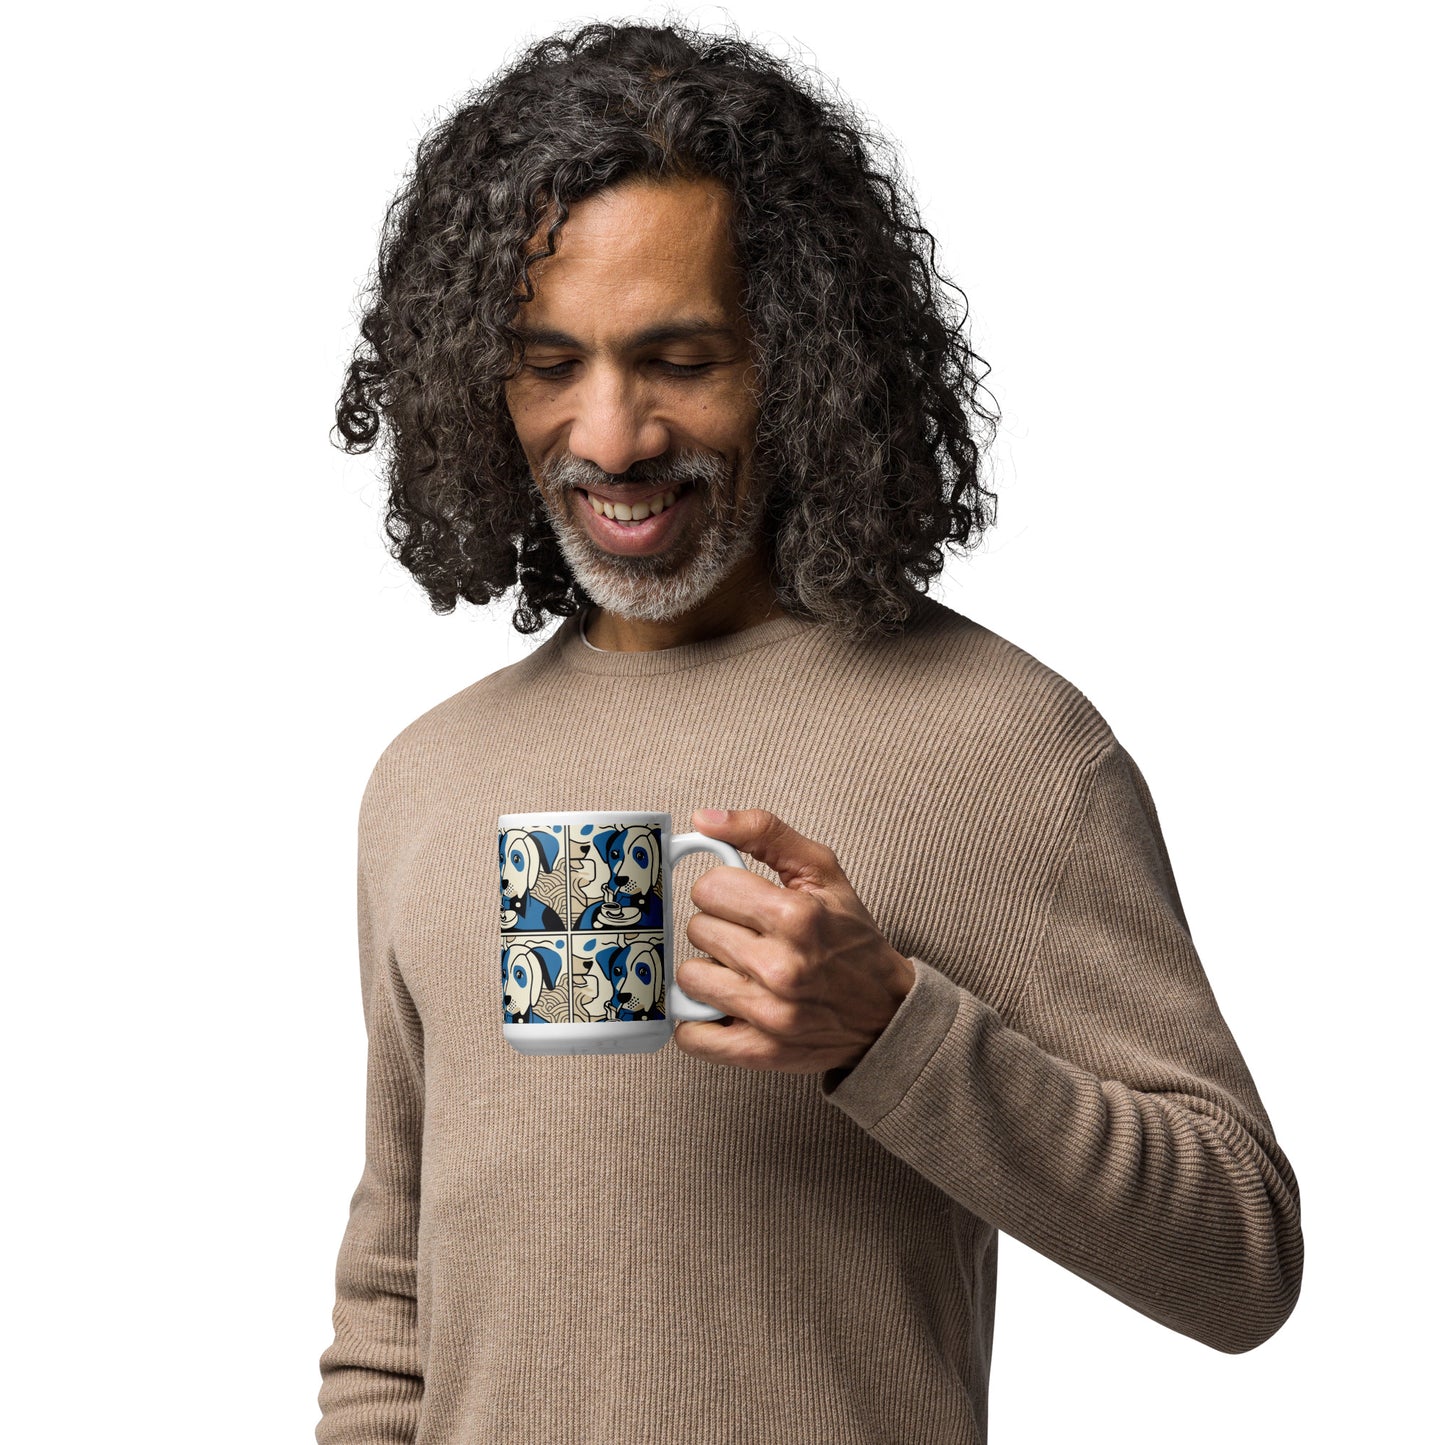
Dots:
pixel 627 1249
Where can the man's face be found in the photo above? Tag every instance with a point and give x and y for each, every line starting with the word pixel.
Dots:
pixel 637 383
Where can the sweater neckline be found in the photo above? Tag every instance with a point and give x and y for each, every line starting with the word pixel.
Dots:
pixel 581 656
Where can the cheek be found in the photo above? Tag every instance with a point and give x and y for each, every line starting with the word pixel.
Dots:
pixel 727 423
pixel 529 422
pixel 517 408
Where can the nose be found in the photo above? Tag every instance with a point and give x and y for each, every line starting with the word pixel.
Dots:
pixel 615 425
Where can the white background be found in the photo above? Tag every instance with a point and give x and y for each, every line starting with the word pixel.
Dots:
pixel 1202 254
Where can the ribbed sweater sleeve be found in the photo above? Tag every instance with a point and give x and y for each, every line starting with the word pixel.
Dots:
pixel 371 1377
pixel 1110 1123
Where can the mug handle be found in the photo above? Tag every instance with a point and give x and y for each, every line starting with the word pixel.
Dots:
pixel 679 845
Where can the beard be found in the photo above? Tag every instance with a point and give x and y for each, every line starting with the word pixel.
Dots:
pixel 668 584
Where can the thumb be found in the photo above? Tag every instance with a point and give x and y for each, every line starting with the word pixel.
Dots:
pixel 799 861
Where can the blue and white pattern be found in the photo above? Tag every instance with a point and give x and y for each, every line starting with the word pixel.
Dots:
pixel 590 899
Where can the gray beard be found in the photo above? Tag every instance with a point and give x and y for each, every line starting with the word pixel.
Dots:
pixel 668 584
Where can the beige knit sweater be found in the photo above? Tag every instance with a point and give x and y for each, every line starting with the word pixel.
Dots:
pixel 611 1250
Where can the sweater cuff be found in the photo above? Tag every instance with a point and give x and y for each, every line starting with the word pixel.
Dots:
pixel 880 1079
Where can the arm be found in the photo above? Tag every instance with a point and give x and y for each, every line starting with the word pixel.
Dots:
pixel 1111 1124
pixel 371 1381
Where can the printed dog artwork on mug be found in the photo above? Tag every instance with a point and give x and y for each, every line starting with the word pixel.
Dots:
pixel 582 910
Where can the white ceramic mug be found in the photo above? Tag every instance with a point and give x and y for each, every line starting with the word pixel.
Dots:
pixel 587 931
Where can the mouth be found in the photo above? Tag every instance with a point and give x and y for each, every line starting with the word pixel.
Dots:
pixel 632 529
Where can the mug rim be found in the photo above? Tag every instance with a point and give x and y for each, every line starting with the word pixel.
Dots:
pixel 512 820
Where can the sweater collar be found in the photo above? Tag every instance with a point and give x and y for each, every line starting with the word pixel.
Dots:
pixel 580 655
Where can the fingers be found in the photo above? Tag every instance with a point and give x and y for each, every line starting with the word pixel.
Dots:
pixel 722 987
pixel 793 856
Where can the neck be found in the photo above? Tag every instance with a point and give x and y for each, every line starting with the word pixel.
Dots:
pixel 727 610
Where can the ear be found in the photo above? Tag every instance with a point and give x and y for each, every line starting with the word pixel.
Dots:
pixel 549 965
pixel 548 845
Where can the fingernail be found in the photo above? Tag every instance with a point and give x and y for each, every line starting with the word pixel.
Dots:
pixel 714 815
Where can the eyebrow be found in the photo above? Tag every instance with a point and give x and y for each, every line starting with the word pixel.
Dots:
pixel 686 330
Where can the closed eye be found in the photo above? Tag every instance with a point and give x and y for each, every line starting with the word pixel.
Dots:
pixel 672 368
pixel 563 369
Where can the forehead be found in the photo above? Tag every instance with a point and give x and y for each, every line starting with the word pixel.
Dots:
pixel 641 248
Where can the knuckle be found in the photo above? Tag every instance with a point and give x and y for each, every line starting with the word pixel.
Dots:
pixel 781 980
pixel 783 1017
pixel 797 912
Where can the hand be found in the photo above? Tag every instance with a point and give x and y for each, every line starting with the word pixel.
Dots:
pixel 802 970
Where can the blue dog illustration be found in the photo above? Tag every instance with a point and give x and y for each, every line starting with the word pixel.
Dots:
pixel 621 981
pixel 523 856
pixel 633 860
pixel 528 969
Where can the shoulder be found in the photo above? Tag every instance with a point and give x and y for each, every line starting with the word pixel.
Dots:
pixel 448 739
pixel 987 696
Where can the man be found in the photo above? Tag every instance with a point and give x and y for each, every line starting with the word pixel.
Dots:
pixel 658 343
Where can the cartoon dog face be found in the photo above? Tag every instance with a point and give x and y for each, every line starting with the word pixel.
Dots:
pixel 526 971
pixel 522 856
pixel 633 862
pixel 635 971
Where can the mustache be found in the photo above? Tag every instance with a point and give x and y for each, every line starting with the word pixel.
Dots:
pixel 701 467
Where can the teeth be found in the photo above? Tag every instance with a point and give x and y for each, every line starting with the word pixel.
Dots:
pixel 621 512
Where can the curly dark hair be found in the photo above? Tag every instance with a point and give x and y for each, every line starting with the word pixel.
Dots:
pixel 869 418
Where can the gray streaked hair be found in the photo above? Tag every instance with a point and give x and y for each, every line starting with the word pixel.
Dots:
pixel 870 422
